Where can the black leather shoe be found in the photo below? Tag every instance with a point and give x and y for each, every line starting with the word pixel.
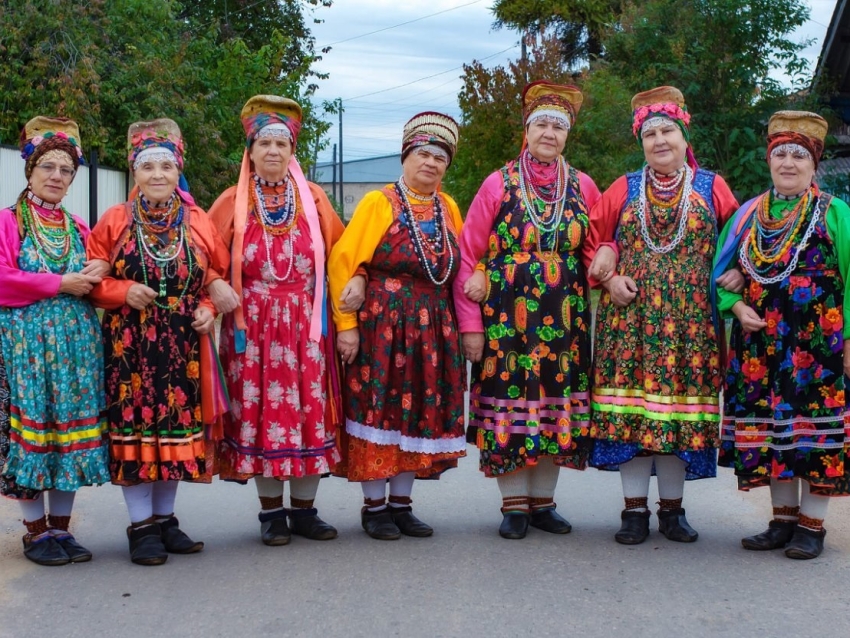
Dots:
pixel 514 525
pixel 805 543
pixel 273 528
pixel 634 528
pixel 408 524
pixel 550 521
pixel 307 523
pixel 146 546
pixel 674 525
pixel 175 540
pixel 76 552
pixel 380 524
pixel 46 550
pixel 776 536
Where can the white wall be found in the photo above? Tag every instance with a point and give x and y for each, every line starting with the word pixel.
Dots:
pixel 111 185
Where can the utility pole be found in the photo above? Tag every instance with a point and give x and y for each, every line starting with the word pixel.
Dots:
pixel 341 180
pixel 333 183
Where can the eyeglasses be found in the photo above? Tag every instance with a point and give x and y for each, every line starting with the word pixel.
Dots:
pixel 64 171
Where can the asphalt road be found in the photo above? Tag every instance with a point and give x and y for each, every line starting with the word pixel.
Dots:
pixel 464 581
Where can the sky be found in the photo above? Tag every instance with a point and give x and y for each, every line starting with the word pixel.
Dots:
pixel 391 59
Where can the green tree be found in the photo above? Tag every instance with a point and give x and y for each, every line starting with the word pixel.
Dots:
pixel 107 64
pixel 580 25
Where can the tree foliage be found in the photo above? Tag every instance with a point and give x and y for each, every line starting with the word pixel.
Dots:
pixel 725 56
pixel 109 63
pixel 580 25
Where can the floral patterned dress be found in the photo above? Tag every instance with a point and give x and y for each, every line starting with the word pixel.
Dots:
pixel 153 374
pixel 51 391
pixel 277 426
pixel 656 376
pixel 404 404
pixel 785 413
pixel 531 396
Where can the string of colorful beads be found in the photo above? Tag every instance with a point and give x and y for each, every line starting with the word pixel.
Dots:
pixel 681 201
pixel 758 267
pixel 276 223
pixel 549 219
pixel 438 245
pixel 150 226
pixel 53 240
pixel 774 237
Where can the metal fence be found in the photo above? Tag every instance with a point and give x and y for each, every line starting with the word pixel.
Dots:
pixel 94 189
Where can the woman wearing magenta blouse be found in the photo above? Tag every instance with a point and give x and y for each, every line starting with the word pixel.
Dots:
pixel 529 339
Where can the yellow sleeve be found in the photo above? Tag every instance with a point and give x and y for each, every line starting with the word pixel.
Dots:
pixel 455 218
pixel 371 221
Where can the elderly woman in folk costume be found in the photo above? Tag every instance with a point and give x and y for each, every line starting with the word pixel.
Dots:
pixel 530 400
pixel 51 374
pixel 785 414
pixel 404 407
pixel 279 361
pixel 656 377
pixel 166 259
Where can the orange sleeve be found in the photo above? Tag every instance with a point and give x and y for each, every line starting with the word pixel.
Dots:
pixel 725 203
pixel 221 215
pixel 218 256
pixel 111 292
pixel 604 217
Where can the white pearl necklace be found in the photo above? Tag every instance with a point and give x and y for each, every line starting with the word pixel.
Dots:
pixel 419 239
pixel 684 207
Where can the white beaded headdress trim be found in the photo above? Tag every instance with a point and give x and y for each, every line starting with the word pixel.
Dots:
pixel 655 122
pixel 550 115
pixel 154 154
pixel 433 149
pixel 791 148
pixel 274 130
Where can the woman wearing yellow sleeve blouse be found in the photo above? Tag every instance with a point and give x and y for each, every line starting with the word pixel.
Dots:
pixel 403 398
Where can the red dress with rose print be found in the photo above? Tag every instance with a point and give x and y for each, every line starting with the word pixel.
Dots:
pixel 278 395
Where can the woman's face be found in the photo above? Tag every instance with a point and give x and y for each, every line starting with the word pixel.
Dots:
pixel 157 179
pixel 423 170
pixel 546 139
pixel 664 147
pixel 52 176
pixel 271 156
pixel 792 171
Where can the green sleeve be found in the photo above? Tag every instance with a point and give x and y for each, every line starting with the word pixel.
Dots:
pixel 838 226
pixel 725 299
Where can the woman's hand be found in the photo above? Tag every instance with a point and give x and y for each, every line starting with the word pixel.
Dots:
pixel 604 264
pixel 224 298
pixel 96 267
pixel 353 295
pixel 475 288
pixel 732 280
pixel 622 290
pixel 472 344
pixel 78 284
pixel 347 344
pixel 749 318
pixel 139 296
pixel 204 320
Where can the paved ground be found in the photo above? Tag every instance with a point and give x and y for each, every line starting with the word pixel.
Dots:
pixel 465 581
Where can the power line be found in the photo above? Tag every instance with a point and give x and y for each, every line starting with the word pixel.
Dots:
pixel 428 77
pixel 401 24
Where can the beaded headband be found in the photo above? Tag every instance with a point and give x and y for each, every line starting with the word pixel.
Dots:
pixel 430 128
pixel 161 133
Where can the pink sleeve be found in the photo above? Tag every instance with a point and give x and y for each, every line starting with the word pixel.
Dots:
pixel 590 194
pixel 19 288
pixel 83 229
pixel 473 247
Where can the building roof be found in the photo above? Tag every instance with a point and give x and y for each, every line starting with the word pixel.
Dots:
pixel 373 170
